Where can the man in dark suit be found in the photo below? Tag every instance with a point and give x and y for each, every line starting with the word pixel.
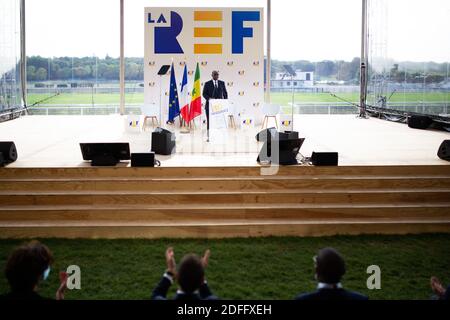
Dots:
pixel 213 89
pixel 329 268
pixel 190 277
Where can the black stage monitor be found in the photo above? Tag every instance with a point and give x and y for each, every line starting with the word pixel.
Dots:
pixel 419 122
pixel 164 69
pixel 105 153
pixel 289 150
pixel 266 134
pixel 325 158
pixel 444 150
pixel 163 142
pixel 9 152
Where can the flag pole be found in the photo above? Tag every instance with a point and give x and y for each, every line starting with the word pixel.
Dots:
pixel 184 125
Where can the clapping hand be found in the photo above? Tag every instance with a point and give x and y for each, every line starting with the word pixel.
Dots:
pixel 170 261
pixel 205 258
pixel 62 287
pixel 437 287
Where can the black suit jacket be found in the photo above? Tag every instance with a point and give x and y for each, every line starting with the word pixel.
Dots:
pixel 160 292
pixel 209 92
pixel 447 294
pixel 331 294
pixel 27 295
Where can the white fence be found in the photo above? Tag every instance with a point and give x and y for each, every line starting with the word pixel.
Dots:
pixel 435 108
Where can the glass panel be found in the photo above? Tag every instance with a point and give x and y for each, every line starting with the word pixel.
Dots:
pixel 321 41
pixel 409 56
pixel 73 57
pixel 10 87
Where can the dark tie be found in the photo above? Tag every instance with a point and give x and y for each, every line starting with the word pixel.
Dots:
pixel 216 91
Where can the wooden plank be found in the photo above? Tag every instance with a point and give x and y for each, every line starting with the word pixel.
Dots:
pixel 241 198
pixel 244 184
pixel 167 214
pixel 12 172
pixel 225 231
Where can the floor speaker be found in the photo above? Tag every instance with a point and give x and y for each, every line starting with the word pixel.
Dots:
pixel 263 135
pixel 419 122
pixel 9 151
pixel 287 135
pixel 444 150
pixel 144 160
pixel 324 158
pixel 287 151
pixel 163 141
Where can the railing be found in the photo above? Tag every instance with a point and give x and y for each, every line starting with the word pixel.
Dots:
pixel 83 109
pixel 435 108
pixel 440 108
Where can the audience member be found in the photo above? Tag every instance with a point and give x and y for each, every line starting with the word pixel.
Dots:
pixel 329 270
pixel 26 267
pixel 190 277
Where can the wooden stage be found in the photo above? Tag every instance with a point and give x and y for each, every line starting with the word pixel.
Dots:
pixel 389 181
pixel 53 141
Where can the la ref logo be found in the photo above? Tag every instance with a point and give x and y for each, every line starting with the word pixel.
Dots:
pixel 166 32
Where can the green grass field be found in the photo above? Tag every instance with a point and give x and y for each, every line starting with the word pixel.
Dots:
pixel 281 98
pixel 260 268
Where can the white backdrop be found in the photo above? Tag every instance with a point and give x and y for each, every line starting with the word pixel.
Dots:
pixel 243 73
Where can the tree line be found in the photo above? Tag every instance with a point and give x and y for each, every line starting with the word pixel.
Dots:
pixel 85 68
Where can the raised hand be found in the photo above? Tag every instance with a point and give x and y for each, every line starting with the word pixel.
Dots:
pixel 170 261
pixel 205 259
pixel 62 287
pixel 437 287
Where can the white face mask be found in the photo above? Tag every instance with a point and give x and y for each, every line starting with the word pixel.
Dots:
pixel 46 273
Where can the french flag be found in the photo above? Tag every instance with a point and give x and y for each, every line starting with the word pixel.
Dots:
pixel 184 93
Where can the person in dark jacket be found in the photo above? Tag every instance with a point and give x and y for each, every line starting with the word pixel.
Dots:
pixel 329 269
pixel 190 277
pixel 26 267
pixel 213 89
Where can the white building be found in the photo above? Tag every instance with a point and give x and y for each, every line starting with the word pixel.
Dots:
pixel 300 80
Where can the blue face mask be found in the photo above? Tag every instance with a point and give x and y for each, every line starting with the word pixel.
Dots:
pixel 46 273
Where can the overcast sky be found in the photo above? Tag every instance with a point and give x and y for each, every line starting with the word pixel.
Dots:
pixel 417 30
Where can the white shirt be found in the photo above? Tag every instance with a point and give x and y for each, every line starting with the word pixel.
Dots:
pixel 322 285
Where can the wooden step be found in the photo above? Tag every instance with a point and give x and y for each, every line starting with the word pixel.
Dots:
pixel 219 202
pixel 287 196
pixel 224 184
pixel 121 171
pixel 217 229
pixel 169 213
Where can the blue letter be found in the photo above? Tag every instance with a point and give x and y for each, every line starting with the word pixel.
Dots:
pixel 162 19
pixel 150 20
pixel 166 37
pixel 239 32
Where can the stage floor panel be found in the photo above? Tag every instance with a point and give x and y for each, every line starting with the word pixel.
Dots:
pixel 53 141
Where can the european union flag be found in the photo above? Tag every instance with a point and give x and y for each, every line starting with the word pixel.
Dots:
pixel 174 104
